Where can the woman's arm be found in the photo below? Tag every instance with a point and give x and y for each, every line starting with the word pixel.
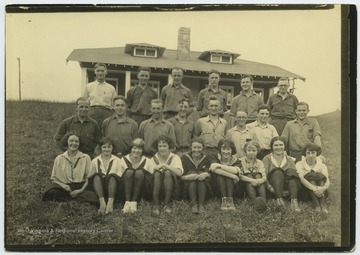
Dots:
pixel 177 171
pixel 226 174
pixel 244 178
pixel 63 185
pixel 76 192
pixel 189 177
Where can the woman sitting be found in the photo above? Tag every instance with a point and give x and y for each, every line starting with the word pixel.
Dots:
pixel 69 178
pixel 167 168
pixel 196 176
pixel 137 176
pixel 280 169
pixel 225 169
pixel 106 178
pixel 253 171
pixel 314 176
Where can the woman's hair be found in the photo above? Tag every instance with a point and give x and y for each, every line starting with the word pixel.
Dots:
pixel 163 138
pixel 105 140
pixel 277 138
pixel 198 140
pixel 312 147
pixel 65 138
pixel 227 143
pixel 138 142
pixel 252 144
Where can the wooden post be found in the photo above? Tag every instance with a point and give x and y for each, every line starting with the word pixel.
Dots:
pixel 19 80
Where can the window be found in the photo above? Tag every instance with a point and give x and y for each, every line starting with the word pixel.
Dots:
pixel 154 84
pixel 260 92
pixel 229 92
pixel 218 58
pixel 114 82
pixel 144 52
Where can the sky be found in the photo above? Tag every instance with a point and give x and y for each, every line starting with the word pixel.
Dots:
pixel 304 42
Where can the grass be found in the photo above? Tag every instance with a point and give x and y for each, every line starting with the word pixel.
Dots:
pixel 30 152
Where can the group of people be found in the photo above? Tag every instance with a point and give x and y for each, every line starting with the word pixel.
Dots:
pixel 160 148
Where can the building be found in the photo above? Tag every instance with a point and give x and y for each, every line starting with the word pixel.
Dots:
pixel 123 63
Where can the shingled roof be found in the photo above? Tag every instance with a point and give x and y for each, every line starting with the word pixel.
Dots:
pixel 118 56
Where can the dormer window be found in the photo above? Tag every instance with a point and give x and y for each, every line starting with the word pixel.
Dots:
pixel 219 58
pixel 145 52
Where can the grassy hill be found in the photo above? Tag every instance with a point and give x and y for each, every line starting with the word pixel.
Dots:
pixel 30 153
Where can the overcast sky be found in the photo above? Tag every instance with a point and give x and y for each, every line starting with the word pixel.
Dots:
pixel 303 42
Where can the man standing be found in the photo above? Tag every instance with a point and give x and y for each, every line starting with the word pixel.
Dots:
pixel 151 129
pixel 211 90
pixel 211 129
pixel 183 128
pixel 172 93
pixel 139 97
pixel 247 101
pixel 282 105
pixel 100 94
pixel 240 134
pixel 299 132
pixel 262 132
pixel 81 124
pixel 119 128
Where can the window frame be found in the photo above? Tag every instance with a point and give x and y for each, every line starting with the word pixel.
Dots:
pixel 145 52
pixel 221 58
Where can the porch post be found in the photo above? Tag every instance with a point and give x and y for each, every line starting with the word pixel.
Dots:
pixel 127 81
pixel 84 79
pixel 170 79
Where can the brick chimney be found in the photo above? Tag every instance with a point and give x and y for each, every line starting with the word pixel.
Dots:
pixel 183 48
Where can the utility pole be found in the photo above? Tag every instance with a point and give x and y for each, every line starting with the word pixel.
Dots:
pixel 19 80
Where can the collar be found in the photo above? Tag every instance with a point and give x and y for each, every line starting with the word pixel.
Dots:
pixel 189 155
pixel 315 168
pixel 76 119
pixel 236 128
pixel 287 94
pixel 305 121
pixel 178 118
pixel 232 160
pixel 207 118
pixel 174 86
pixel 141 159
pixel 160 121
pixel 125 120
pixel 258 124
pixel 78 155
pixel 170 155
pixel 274 162
pixel 252 93
pixel 215 91
pixel 111 158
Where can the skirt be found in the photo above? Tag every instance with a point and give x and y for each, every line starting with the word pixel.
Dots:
pixel 184 187
pixel 55 192
pixel 288 174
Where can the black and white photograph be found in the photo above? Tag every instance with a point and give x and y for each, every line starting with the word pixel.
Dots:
pixel 178 128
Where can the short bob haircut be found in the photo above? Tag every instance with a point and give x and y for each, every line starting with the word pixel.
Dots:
pixel 312 147
pixel 139 143
pixel 105 140
pixel 198 140
pixel 65 138
pixel 227 143
pixel 277 138
pixel 252 144
pixel 165 139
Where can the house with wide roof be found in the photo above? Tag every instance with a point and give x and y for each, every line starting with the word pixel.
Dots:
pixel 123 63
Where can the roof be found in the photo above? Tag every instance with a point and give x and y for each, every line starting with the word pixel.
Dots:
pixel 117 56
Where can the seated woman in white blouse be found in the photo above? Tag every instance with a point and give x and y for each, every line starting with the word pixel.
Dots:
pixel 70 173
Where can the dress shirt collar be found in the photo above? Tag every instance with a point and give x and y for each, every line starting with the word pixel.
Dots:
pixel 315 168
